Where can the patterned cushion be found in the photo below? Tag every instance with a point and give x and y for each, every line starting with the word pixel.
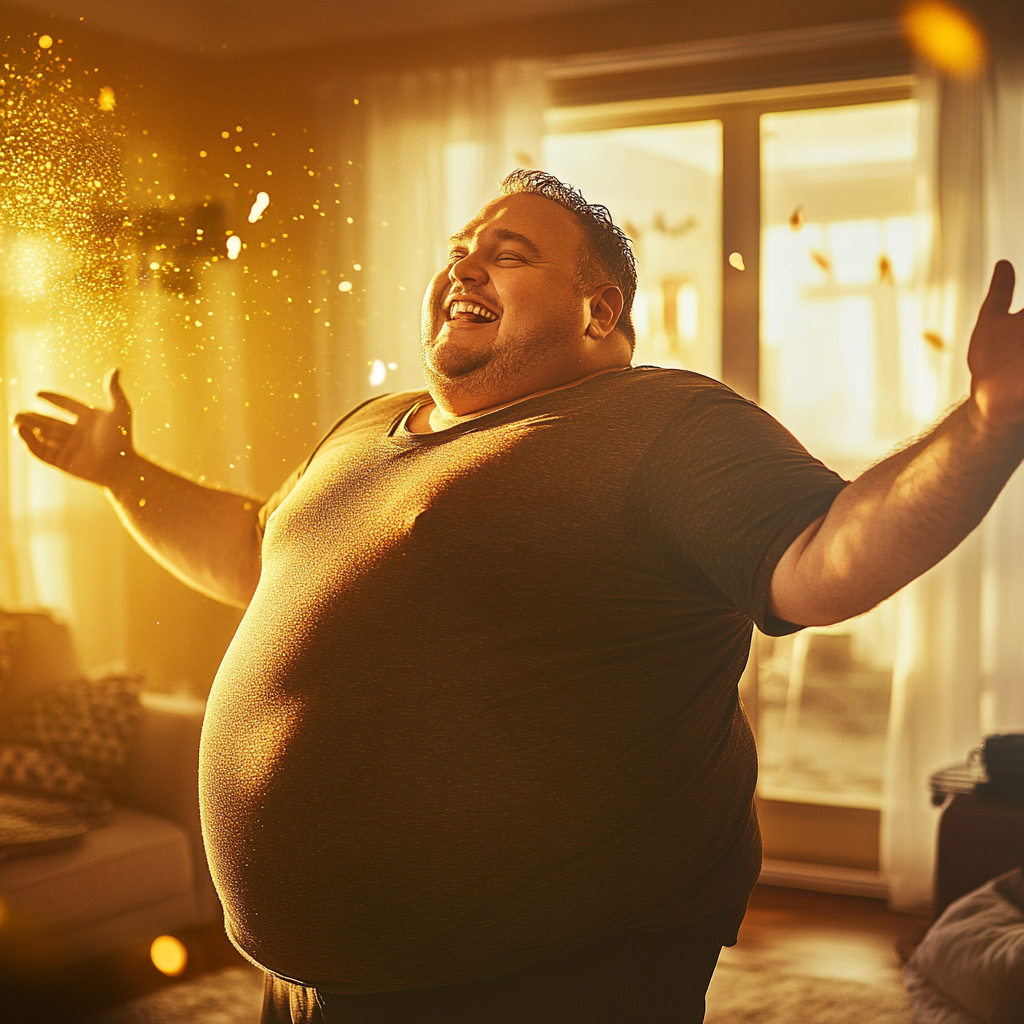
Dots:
pixel 29 770
pixel 31 825
pixel 90 724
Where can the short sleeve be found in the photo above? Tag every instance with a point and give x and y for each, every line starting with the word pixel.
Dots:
pixel 726 488
pixel 276 499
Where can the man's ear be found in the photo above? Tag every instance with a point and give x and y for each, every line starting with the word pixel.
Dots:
pixel 605 308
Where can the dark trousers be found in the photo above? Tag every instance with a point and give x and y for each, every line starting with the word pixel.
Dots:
pixel 642 978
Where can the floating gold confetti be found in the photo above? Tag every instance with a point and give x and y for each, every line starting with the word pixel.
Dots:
pixel 64 221
pixel 345 286
pixel 45 42
pixel 796 219
pixel 935 340
pixel 261 203
pixel 234 245
pixel 946 37
pixel 736 260
pixel 168 954
pixel 108 100
pixel 822 260
pixel 885 274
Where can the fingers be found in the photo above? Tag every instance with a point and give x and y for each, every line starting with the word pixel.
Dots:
pixel 36 445
pixel 1000 291
pixel 37 421
pixel 72 405
pixel 112 386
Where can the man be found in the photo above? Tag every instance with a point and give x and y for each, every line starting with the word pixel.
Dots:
pixel 475 753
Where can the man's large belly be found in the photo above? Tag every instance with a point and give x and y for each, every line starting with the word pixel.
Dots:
pixel 396 795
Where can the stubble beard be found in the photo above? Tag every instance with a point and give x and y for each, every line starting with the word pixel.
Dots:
pixel 492 369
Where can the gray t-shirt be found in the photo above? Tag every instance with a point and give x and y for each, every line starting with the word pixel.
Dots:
pixel 482 709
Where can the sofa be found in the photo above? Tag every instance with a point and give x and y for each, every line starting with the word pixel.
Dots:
pixel 141 871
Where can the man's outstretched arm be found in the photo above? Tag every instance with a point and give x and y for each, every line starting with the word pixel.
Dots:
pixel 906 513
pixel 205 537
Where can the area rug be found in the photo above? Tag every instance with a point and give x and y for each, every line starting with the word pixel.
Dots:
pixel 751 995
pixel 232 996
pixel 738 995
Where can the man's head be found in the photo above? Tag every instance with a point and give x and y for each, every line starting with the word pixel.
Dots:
pixel 605 252
pixel 535 293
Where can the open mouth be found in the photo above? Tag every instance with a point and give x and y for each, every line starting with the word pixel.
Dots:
pixel 463 311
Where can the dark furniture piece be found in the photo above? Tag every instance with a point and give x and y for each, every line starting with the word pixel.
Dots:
pixel 979 837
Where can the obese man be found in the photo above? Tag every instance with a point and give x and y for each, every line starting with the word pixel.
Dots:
pixel 475 754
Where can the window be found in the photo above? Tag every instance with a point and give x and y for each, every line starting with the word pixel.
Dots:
pixel 800 291
pixel 664 186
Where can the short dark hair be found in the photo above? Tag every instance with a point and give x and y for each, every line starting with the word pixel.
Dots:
pixel 608 250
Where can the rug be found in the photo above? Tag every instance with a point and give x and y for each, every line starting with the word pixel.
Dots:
pixel 752 995
pixel 232 996
pixel 738 995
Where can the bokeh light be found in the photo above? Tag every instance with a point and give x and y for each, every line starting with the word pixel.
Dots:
pixel 234 247
pixel 945 36
pixel 169 955
pixel 107 100
pixel 45 42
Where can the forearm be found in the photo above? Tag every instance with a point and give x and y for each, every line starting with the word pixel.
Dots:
pixel 205 537
pixel 897 520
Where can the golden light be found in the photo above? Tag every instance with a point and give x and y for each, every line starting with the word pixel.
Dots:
pixel 345 286
pixel 45 42
pixel 946 37
pixel 107 98
pixel 234 247
pixel 736 260
pixel 261 203
pixel 378 371
pixel 169 956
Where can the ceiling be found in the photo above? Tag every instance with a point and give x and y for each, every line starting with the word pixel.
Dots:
pixel 214 27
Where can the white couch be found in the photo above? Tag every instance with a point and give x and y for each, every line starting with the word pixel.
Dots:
pixel 141 875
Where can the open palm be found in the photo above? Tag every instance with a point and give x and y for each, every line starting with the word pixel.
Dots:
pixel 996 355
pixel 94 447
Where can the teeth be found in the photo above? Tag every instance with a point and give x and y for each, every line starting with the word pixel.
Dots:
pixel 469 307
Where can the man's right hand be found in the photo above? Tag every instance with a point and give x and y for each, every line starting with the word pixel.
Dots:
pixel 96 447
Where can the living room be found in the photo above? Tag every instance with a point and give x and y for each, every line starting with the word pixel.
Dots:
pixel 252 199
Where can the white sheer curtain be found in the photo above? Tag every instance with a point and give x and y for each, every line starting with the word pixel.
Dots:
pixel 439 141
pixel 960 649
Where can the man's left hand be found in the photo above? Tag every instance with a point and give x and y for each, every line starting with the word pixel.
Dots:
pixel 996 355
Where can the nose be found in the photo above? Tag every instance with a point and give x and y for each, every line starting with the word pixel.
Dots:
pixel 470 268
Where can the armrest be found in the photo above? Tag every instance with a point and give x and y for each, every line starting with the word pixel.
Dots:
pixel 162 774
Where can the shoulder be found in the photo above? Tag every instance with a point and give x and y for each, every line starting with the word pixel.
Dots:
pixel 651 398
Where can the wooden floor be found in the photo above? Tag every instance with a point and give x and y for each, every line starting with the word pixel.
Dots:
pixel 788 930
pixel 825 936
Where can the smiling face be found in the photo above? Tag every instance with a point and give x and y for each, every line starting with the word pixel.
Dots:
pixel 507 317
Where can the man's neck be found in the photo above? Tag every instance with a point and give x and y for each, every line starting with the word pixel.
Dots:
pixel 430 417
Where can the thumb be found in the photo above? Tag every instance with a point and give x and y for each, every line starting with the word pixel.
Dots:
pixel 115 392
pixel 1000 291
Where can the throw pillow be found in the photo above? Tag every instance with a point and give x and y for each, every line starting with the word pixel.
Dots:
pixel 31 825
pixel 970 965
pixel 29 770
pixel 90 724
